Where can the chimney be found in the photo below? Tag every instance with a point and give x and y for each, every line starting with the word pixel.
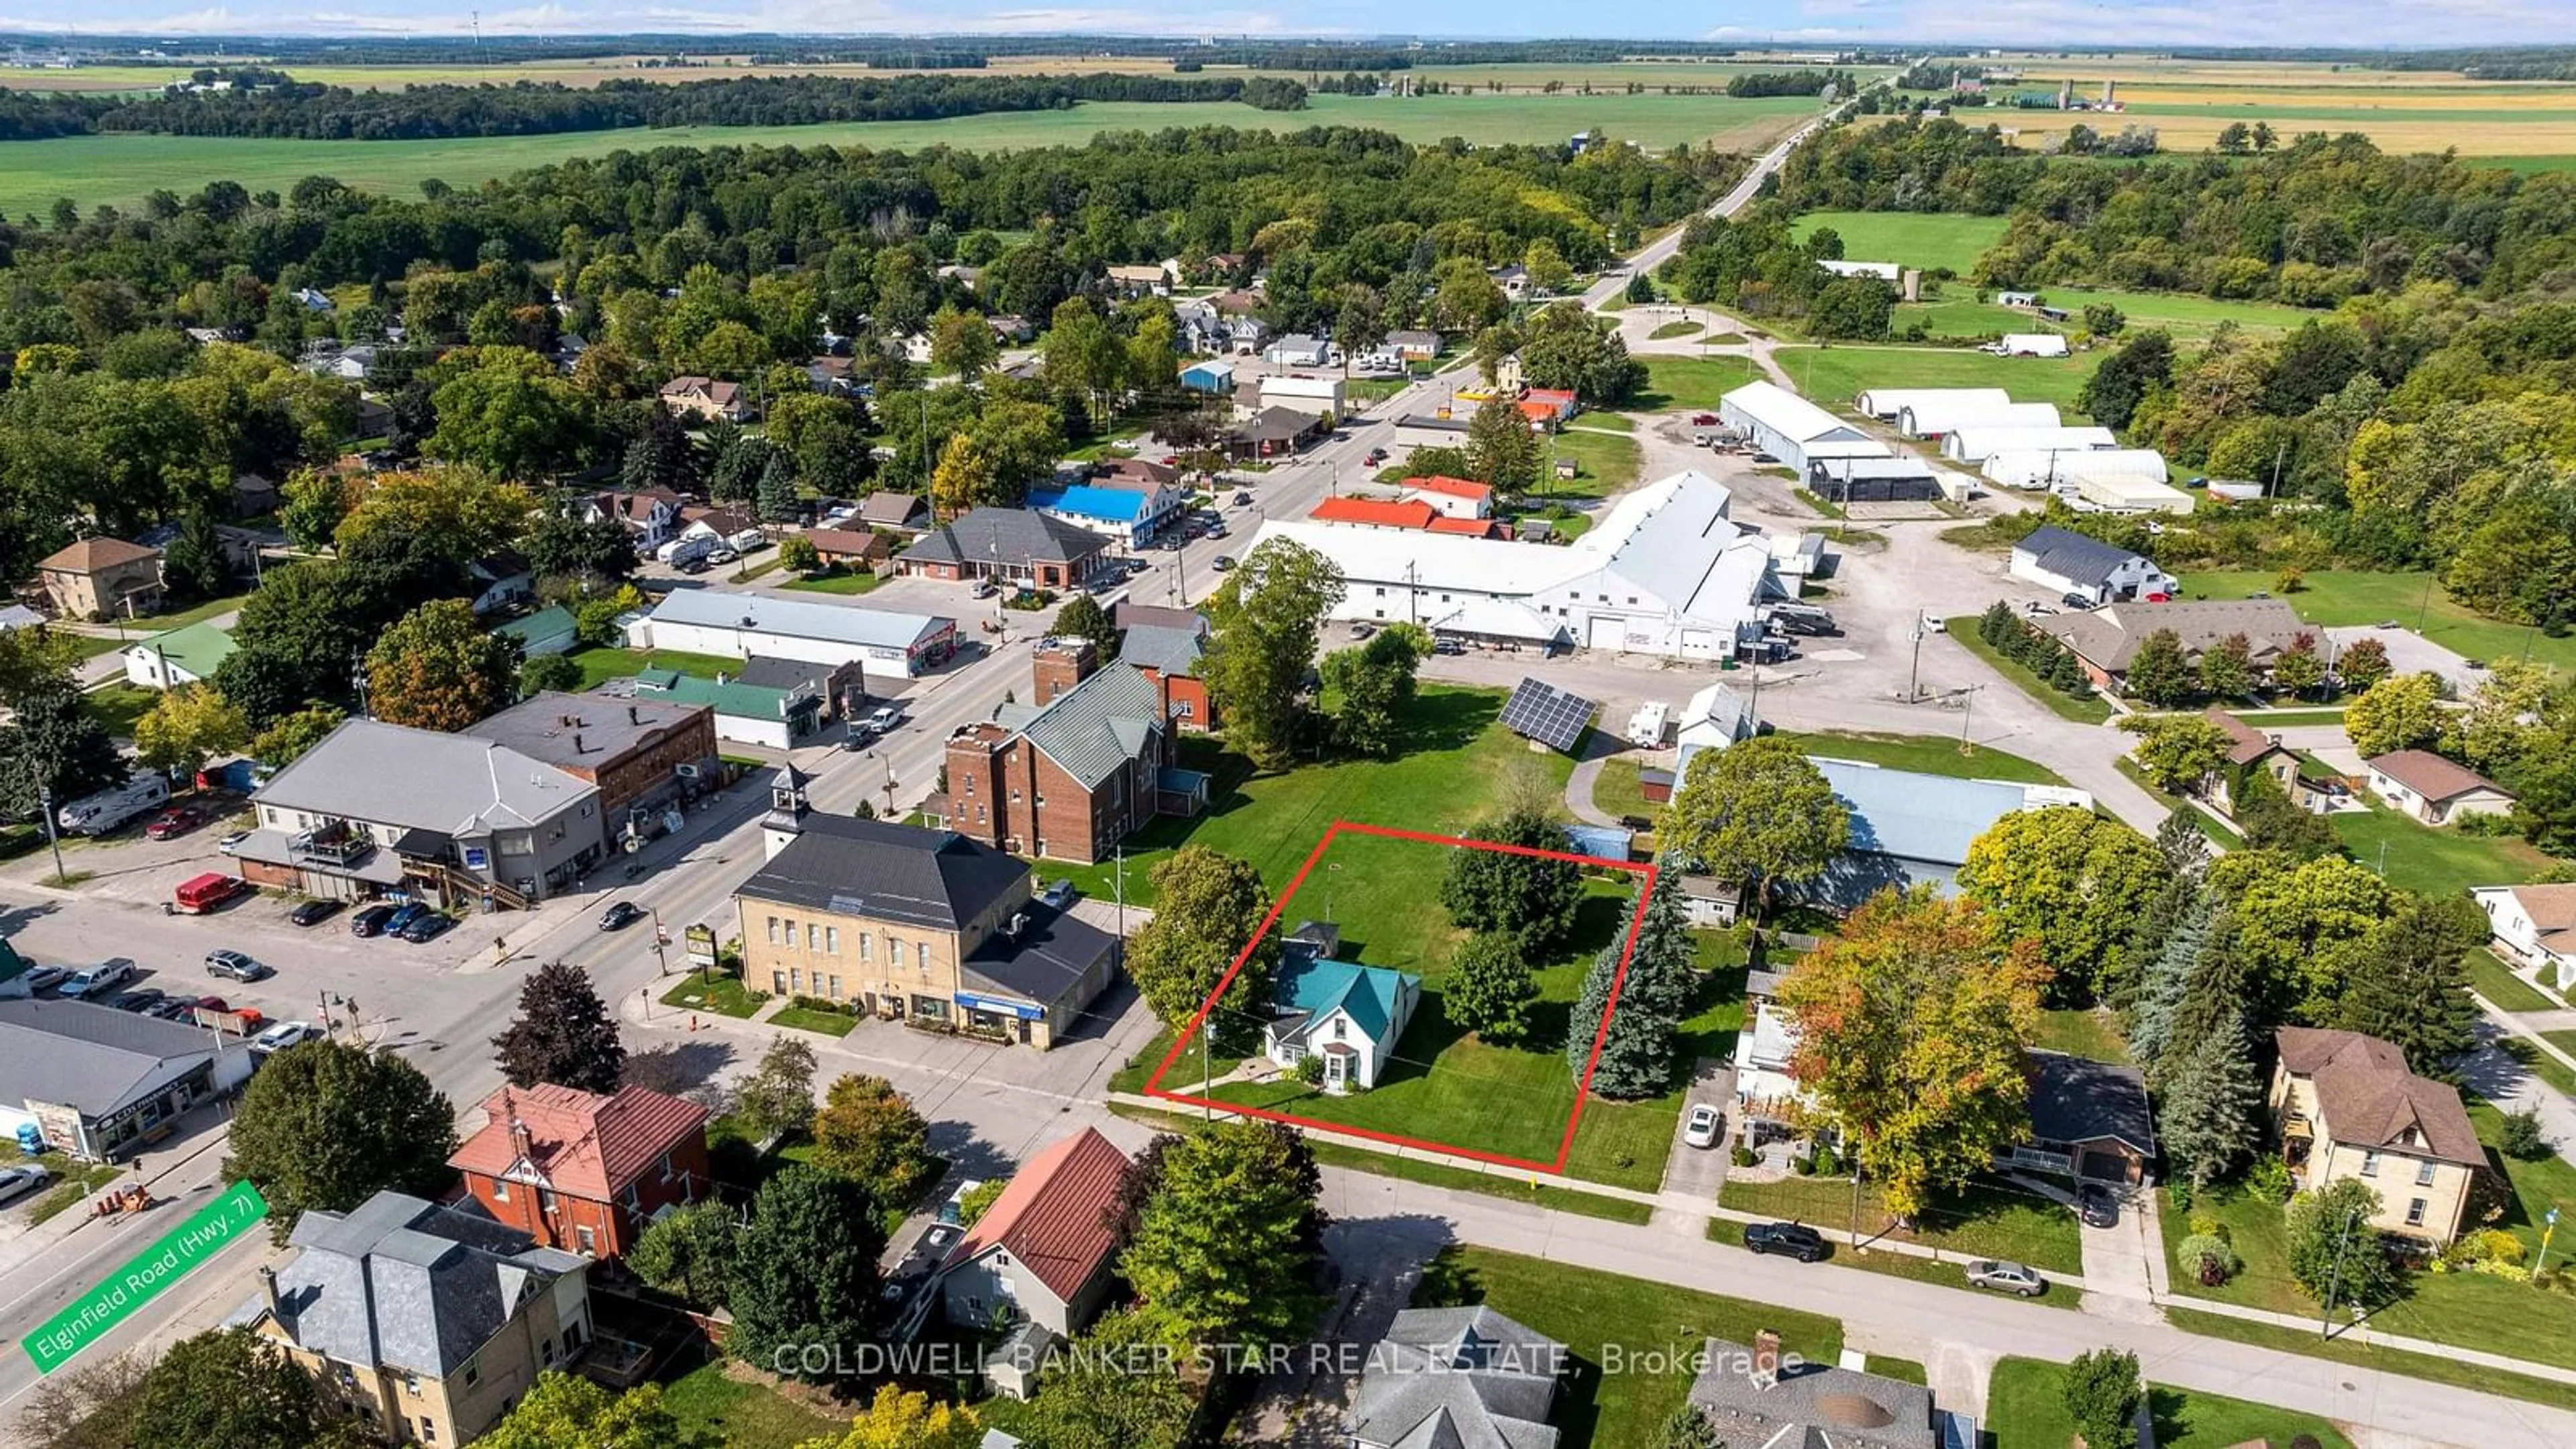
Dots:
pixel 268 1292
pixel 523 1143
pixel 1766 1358
pixel 1058 666
pixel 1019 923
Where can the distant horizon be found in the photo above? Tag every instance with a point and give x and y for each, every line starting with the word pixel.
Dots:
pixel 2360 26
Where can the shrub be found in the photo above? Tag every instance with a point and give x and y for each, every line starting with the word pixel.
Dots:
pixel 1744 1156
pixel 1806 1164
pixel 1828 1164
pixel 2102 1393
pixel 2289 580
pixel 1310 1070
pixel 2208 1258
pixel 2269 1179
pixel 2205 1226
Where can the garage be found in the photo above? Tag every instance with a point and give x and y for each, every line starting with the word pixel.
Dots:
pixel 1607 633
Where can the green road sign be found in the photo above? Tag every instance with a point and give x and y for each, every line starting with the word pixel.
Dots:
pixel 211 1229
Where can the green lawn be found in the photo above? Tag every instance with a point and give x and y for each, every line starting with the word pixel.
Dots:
pixel 1992 1219
pixel 1924 754
pixel 74 1181
pixel 2349 596
pixel 2288 718
pixel 603 664
pixel 2540 1063
pixel 1617 793
pixel 2087 709
pixel 2432 1368
pixel 1604 464
pixel 1521 1188
pixel 828 1023
pixel 1451 773
pixel 1954 311
pixel 724 995
pixel 2026 1406
pixel 2466 1310
pixel 1924 239
pixel 1832 376
pixel 119 705
pixel 2081 1033
pixel 743 1415
pixel 1693 383
pixel 1615 422
pixel 1674 329
pixel 2439 862
pixel 182 618
pixel 123 168
pixel 838 582
pixel 1656 1330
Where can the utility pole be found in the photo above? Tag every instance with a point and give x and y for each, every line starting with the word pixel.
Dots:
pixel 1967 712
pixel 1914 670
pixel 2334 1283
pixel 45 802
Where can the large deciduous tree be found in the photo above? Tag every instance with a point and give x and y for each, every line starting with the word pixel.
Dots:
pixel 2072 880
pixel 1502 453
pixel 1376 687
pixel 1228 1249
pixel 1094 1400
pixel 1912 1025
pixel 1207 906
pixel 1757 814
pixel 55 744
pixel 328 1126
pixel 2333 1249
pixel 437 669
pixel 1488 989
pixel 2160 672
pixel 564 1409
pixel 899 1418
pixel 867 1130
pixel 779 1093
pixel 232 1387
pixel 1267 617
pixel 2403 712
pixel 2299 929
pixel 2177 752
pixel 1528 897
pixel 564 1034
pixel 188 726
pixel 690 1251
pixel 806 1274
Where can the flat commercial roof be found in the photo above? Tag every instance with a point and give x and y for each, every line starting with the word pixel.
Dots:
pixel 796 619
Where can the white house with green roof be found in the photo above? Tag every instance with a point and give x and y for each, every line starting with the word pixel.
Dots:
pixel 1348 1016
pixel 549 630
pixel 751 714
pixel 182 656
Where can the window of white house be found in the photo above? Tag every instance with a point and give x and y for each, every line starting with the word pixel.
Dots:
pixel 2424 1174
pixel 2370 1164
pixel 773 930
pixel 2415 1212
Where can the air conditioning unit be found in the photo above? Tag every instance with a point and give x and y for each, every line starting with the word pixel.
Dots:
pixel 686 771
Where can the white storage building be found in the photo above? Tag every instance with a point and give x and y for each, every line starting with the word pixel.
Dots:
pixel 2121 493
pixel 1939 419
pixel 2029 344
pixel 2055 467
pixel 1790 428
pixel 1887 402
pixel 1665 573
pixel 879 641
pixel 1980 441
pixel 1317 395
pixel 1884 271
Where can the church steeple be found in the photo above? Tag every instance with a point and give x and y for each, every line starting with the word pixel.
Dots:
pixel 787 811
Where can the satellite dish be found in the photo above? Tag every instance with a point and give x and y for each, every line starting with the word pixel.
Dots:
pixel 634 843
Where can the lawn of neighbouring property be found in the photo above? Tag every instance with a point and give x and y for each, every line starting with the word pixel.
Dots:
pixel 1832 376
pixel 1655 1329
pixel 1954 311
pixel 1695 383
pixel 2081 1033
pixel 2083 709
pixel 2338 597
pixel 722 994
pixel 2491 978
pixel 603 664
pixel 197 613
pixel 1604 463
pixel 119 705
pixel 2434 861
pixel 1924 754
pixel 1991 1219
pixel 1926 239
pixel 2466 1310
pixel 2026 1406
pixel 839 582
pixel 744 1414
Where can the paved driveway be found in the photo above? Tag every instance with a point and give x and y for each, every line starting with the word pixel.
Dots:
pixel 2120 1261
pixel 1696 1173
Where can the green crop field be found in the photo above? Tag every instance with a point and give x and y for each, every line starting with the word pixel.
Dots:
pixel 1926 239
pixel 123 168
pixel 1831 375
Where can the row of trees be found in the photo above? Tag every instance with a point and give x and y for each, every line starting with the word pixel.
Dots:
pixel 1754 264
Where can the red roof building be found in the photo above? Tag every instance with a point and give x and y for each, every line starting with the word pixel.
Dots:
pixel 1370 513
pixel 1456 497
pixel 1467 527
pixel 1043 1249
pixel 585 1172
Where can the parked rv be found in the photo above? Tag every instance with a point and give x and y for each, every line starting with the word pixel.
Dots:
pixel 97 814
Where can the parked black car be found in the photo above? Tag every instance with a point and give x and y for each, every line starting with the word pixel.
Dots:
pixel 620 916
pixel 402 917
pixel 1789 1240
pixel 142 999
pixel 427 926
pixel 313 913
pixel 370 921
pixel 2098 1207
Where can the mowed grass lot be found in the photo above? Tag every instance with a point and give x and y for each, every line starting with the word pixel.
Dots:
pixel 1924 754
pixel 1832 376
pixel 1992 1219
pixel 1925 239
pixel 2347 596
pixel 1954 311
pixel 603 664
pixel 1695 383
pixel 123 168
pixel 2466 1310
pixel 1655 1330
pixel 2418 857
pixel 1604 463
pixel 2026 1406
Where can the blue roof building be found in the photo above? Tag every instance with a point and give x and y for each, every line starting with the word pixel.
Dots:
pixel 1128 514
pixel 1911 829
pixel 1347 1015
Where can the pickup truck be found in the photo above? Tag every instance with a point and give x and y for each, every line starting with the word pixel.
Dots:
pixel 96 980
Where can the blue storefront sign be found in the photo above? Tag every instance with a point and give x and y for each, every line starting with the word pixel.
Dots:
pixel 997 1006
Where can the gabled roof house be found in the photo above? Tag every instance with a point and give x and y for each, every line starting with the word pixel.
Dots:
pixel 1348 1015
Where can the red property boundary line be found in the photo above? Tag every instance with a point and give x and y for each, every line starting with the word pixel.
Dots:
pixel 1583 1090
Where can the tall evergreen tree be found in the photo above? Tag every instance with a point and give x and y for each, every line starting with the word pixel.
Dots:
pixel 2209 1116
pixel 774 497
pixel 2188 937
pixel 1662 980
pixel 564 1034
pixel 2215 998
pixel 2416 990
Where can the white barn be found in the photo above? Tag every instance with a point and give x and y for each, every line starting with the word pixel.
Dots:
pixel 1937 419
pixel 1665 573
pixel 2029 344
pixel 880 642
pixel 1979 441
pixel 1790 428
pixel 2058 467
pixel 1887 402
pixel 1317 395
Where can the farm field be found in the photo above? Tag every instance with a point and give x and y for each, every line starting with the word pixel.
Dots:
pixel 1926 239
pixel 123 168
pixel 1832 375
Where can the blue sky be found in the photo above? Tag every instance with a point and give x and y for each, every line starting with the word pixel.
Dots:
pixel 2036 22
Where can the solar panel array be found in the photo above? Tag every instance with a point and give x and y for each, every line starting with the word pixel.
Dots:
pixel 1547 714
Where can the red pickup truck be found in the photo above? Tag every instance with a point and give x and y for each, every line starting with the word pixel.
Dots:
pixel 200 894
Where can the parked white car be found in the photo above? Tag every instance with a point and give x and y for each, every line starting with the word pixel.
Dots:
pixel 17 1182
pixel 1702 1128
pixel 285 1034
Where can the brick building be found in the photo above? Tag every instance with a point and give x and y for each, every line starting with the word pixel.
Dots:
pixel 643 753
pixel 1173 659
pixel 1067 776
pixel 582 1171
pixel 1012 546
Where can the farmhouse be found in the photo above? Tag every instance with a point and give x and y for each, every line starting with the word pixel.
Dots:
pixel 2250 752
pixel 2432 789
pixel 1348 1016
pixel 1786 426
pixel 2535 925
pixel 2107 639
pixel 1940 417
pixel 1664 573
pixel 102 578
pixel 1042 1252
pixel 885 644
pixel 2344 1105
pixel 706 399
pixel 2071 563
pixel 181 656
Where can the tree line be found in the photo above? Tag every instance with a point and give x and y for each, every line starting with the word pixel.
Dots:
pixel 312 112
pixel 1807 82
